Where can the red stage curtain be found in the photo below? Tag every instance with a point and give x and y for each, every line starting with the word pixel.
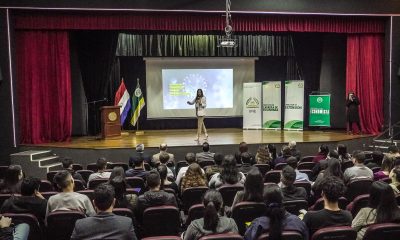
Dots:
pixel 364 76
pixel 44 86
pixel 198 22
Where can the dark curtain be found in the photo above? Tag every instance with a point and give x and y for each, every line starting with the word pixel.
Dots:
pixel 96 54
pixel 199 22
pixel 364 76
pixel 44 86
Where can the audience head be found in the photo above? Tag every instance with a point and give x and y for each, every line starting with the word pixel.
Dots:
pixel 137 161
pixel 253 186
pixel 190 158
pixel 387 164
pixel 117 172
pixel 229 172
pixel 245 157
pixel 292 144
pixel 153 180
pixel 104 197
pixel 286 151
pixel 342 150
pixel 333 154
pixel 292 161
pixel 393 149
pixel 67 162
pixel 359 158
pixel 163 147
pixel 263 154
pixel 101 164
pixel 332 189
pixel 324 149
pixel 377 157
pixel 395 175
pixel 243 147
pixel 272 150
pixel 206 147
pixel 64 180
pixel 194 170
pixel 164 157
pixel 213 204
pixel 288 176
pixel 382 198
pixel 163 171
pixel 218 158
pixel 29 186
pixel 333 169
pixel 119 186
pixel 140 147
pixel 13 175
pixel 273 198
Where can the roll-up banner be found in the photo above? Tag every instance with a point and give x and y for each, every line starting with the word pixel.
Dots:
pixel 271 105
pixel 320 109
pixel 252 105
pixel 294 105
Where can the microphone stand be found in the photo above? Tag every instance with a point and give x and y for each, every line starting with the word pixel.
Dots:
pixel 92 103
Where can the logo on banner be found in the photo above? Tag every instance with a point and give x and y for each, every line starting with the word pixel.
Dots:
pixel 252 102
pixel 320 100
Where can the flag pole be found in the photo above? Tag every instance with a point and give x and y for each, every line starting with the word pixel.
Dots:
pixel 138 120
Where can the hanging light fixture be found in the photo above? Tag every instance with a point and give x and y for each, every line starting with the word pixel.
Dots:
pixel 227 41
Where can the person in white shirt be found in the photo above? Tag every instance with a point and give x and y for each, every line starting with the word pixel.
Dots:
pixel 101 170
pixel 200 104
pixel 359 170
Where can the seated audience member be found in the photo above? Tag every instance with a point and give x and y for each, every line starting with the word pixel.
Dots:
pixel 137 169
pixel 12 180
pixel 211 170
pixel 67 165
pixel 293 150
pixel 30 201
pixel 286 153
pixel 68 199
pixel 165 183
pixel 101 170
pixel 393 151
pixel 359 170
pixel 377 158
pixel 276 218
pixel 140 153
pixel 164 158
pixel 253 188
pixel 334 169
pixel 382 208
pixel 242 149
pixel 122 199
pixel 229 174
pixel 292 161
pixel 156 157
pixel 154 197
pixel 343 154
pixel 387 166
pixel 190 158
pixel 272 151
pixel 323 151
pixel 118 172
pixel 323 164
pixel 213 221
pixel 9 232
pixel 263 156
pixel 395 177
pixel 105 224
pixel 194 177
pixel 206 154
pixel 289 190
pixel 246 163
pixel 332 189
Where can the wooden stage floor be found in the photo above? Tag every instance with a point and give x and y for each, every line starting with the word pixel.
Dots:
pixel 223 136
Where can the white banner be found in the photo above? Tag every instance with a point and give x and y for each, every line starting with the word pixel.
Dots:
pixel 294 105
pixel 271 105
pixel 252 105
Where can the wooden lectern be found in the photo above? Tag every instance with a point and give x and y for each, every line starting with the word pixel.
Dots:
pixel 110 121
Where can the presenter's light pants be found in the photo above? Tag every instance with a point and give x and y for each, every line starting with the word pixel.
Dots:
pixel 200 125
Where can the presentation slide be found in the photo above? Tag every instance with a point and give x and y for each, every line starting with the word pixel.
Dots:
pixel 180 86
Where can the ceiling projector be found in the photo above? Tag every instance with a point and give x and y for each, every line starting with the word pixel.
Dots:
pixel 227 43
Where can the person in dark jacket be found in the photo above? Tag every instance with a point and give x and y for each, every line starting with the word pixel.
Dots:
pixel 289 190
pixel 30 201
pixel 140 153
pixel 137 169
pixel 154 197
pixel 12 180
pixel 67 165
pixel 353 116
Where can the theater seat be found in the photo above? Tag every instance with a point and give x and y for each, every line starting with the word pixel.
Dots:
pixel 136 182
pixel 50 175
pixel 228 193
pixel 126 212
pixel 46 186
pixel 60 224
pixel 307 159
pixel 179 165
pixel 206 163
pixel 222 236
pixel 384 231
pixel 35 232
pixel 357 187
pixel 92 167
pixel 111 165
pixel 295 206
pixel 161 221
pixel 263 168
pixel 192 196
pixel 359 202
pixel 77 167
pixel 319 204
pixel 195 212
pixel 79 186
pixel 286 235
pixel 306 166
pixel 96 182
pixel 85 174
pixel 336 233
pixel 245 212
pixel 273 176
pixel 280 166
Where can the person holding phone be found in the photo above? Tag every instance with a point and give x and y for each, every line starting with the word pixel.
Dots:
pixel 200 105
pixel 353 103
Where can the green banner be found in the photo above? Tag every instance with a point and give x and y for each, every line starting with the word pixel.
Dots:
pixel 320 110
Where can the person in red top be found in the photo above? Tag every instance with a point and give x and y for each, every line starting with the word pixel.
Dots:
pixel 322 153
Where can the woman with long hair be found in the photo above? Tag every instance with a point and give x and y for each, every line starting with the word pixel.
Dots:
pixel 253 188
pixel 276 218
pixel 229 174
pixel 333 169
pixel 353 116
pixel 343 154
pixel 12 180
pixel 272 150
pixel 382 208
pixel 200 104
pixel 395 177
pixel 194 177
pixel 165 183
pixel 263 156
pixel 323 152
pixel 122 199
pixel 118 171
pixel 212 222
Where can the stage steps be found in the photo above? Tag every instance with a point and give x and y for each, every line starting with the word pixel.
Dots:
pixel 37 163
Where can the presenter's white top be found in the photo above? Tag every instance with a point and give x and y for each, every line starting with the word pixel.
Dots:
pixel 200 106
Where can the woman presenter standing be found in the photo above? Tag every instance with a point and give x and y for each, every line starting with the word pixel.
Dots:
pixel 200 104
pixel 353 116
